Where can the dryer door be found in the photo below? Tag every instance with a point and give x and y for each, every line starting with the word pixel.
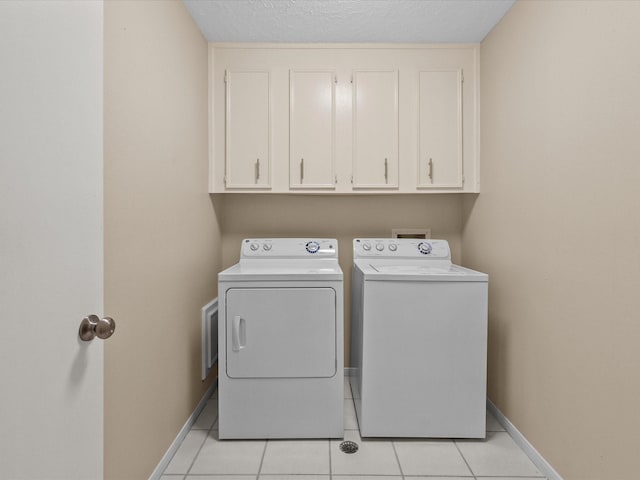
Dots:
pixel 280 332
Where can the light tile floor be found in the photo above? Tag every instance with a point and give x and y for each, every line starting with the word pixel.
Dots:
pixel 202 456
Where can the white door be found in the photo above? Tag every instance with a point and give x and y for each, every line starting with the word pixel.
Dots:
pixel 311 128
pixel 248 129
pixel 440 129
pixel 51 225
pixel 375 129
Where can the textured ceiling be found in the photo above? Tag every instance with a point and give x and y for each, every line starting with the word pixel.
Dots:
pixel 429 21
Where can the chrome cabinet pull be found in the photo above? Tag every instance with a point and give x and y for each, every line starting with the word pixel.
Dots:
pixel 257 170
pixel 431 170
pixel 386 171
pixel 301 170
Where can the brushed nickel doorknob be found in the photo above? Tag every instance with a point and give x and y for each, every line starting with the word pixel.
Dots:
pixel 93 326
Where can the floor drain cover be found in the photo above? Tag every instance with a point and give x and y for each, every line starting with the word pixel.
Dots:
pixel 349 447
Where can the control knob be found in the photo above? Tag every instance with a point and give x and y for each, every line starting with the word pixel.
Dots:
pixel 266 247
pixel 380 246
pixel 254 246
pixel 366 246
pixel 393 247
pixel 424 247
pixel 313 247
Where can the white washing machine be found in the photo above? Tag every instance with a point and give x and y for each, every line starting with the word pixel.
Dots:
pixel 280 331
pixel 418 341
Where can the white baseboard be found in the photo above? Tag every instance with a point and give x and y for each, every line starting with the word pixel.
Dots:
pixel 164 461
pixel 537 459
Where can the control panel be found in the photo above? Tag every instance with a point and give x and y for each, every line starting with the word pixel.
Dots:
pixel 401 248
pixel 289 248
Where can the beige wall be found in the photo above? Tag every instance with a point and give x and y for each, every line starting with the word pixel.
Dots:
pixel 342 217
pixel 557 228
pixel 162 238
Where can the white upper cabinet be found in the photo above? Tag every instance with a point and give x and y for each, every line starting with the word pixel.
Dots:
pixel 375 129
pixel 312 129
pixel 440 129
pixel 248 130
pixel 344 118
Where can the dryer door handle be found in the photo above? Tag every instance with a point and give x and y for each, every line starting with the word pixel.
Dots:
pixel 239 333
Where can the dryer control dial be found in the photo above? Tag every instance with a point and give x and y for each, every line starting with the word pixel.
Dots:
pixel 380 246
pixel 266 247
pixel 313 247
pixel 366 246
pixel 425 248
pixel 393 247
pixel 254 247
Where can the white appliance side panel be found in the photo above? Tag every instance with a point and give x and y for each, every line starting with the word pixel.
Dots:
pixel 355 380
pixel 424 359
pixel 280 332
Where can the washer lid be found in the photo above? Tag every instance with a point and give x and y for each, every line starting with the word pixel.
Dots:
pixel 420 272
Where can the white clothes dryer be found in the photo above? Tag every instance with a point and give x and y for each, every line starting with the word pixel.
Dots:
pixel 418 341
pixel 280 331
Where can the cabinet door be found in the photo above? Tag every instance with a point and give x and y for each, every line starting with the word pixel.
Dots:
pixel 248 129
pixel 440 129
pixel 375 129
pixel 311 129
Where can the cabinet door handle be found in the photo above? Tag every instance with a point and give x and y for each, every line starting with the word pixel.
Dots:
pixel 386 171
pixel 257 169
pixel 431 170
pixel 301 170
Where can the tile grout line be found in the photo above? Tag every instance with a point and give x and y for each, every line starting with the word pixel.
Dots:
pixel 465 460
pixel 395 452
pixel 264 452
pixel 202 445
pixel 330 466
pixel 198 453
